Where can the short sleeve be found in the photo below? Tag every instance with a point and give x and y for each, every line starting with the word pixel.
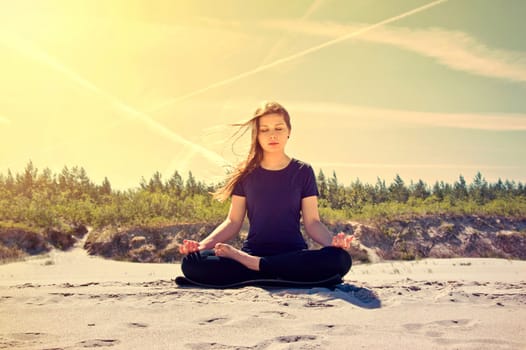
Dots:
pixel 238 189
pixel 310 188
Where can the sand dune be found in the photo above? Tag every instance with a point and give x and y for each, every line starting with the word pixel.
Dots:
pixel 69 300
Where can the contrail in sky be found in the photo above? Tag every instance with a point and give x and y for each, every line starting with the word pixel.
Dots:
pixel 42 57
pixel 278 45
pixel 295 56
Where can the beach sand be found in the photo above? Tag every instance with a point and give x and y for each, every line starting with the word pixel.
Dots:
pixel 69 300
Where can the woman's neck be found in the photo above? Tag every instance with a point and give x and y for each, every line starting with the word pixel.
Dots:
pixel 275 161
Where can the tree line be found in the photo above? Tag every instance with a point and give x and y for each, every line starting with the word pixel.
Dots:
pixel 46 199
pixel 69 198
pixel 357 194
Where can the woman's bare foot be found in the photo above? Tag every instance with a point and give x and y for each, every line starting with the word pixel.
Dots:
pixel 227 251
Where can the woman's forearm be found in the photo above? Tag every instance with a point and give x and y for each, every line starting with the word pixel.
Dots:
pixel 222 233
pixel 319 233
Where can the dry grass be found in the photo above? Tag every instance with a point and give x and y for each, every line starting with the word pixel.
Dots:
pixel 8 255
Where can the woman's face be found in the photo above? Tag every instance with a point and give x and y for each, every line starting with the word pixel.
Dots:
pixel 273 133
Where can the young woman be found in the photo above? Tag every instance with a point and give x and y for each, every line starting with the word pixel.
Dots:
pixel 275 191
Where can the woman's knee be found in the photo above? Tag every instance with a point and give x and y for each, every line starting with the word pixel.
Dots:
pixel 190 265
pixel 342 259
pixel 186 266
pixel 345 261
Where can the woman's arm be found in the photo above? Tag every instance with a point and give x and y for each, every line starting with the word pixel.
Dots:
pixel 312 223
pixel 222 233
pixel 317 230
pixel 228 228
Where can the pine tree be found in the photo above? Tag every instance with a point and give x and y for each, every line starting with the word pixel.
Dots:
pixel 175 184
pixel 381 193
pixel 333 189
pixel 322 185
pixel 511 188
pixel 460 189
pixel 9 182
pixel 357 195
pixel 398 191
pixel 497 190
pixel 25 182
pixel 105 188
pixel 420 190
pixel 479 189
pixel 156 183
pixel 65 180
pixel 191 185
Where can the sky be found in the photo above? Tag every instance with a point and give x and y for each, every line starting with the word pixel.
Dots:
pixel 424 89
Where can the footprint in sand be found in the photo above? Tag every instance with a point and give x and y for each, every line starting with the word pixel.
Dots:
pixel 286 339
pixel 214 320
pixel 433 334
pixel 25 339
pixel 317 304
pixel 454 323
pixel 413 327
pixel 278 314
pixel 137 325
pixel 216 346
pixel 333 329
pixel 294 338
pixel 27 335
pixel 438 329
pixel 9 343
pixel 329 327
pixel 97 343
pixel 306 340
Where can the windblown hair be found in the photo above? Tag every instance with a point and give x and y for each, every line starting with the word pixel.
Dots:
pixel 255 154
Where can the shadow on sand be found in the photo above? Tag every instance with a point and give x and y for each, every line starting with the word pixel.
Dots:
pixel 358 296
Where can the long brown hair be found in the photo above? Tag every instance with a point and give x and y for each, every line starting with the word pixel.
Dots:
pixel 255 154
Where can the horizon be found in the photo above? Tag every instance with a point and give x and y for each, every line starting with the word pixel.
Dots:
pixel 374 90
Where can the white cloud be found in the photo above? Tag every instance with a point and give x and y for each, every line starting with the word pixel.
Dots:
pixel 454 49
pixel 356 115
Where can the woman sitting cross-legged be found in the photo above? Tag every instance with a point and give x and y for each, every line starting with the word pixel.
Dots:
pixel 275 191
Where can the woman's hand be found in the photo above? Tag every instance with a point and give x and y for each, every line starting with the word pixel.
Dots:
pixel 341 240
pixel 188 247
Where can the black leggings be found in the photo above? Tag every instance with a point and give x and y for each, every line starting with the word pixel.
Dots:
pixel 302 266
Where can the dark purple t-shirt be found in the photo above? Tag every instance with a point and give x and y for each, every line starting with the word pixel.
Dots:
pixel 273 199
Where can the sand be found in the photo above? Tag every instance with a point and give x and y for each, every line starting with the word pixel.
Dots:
pixel 69 300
